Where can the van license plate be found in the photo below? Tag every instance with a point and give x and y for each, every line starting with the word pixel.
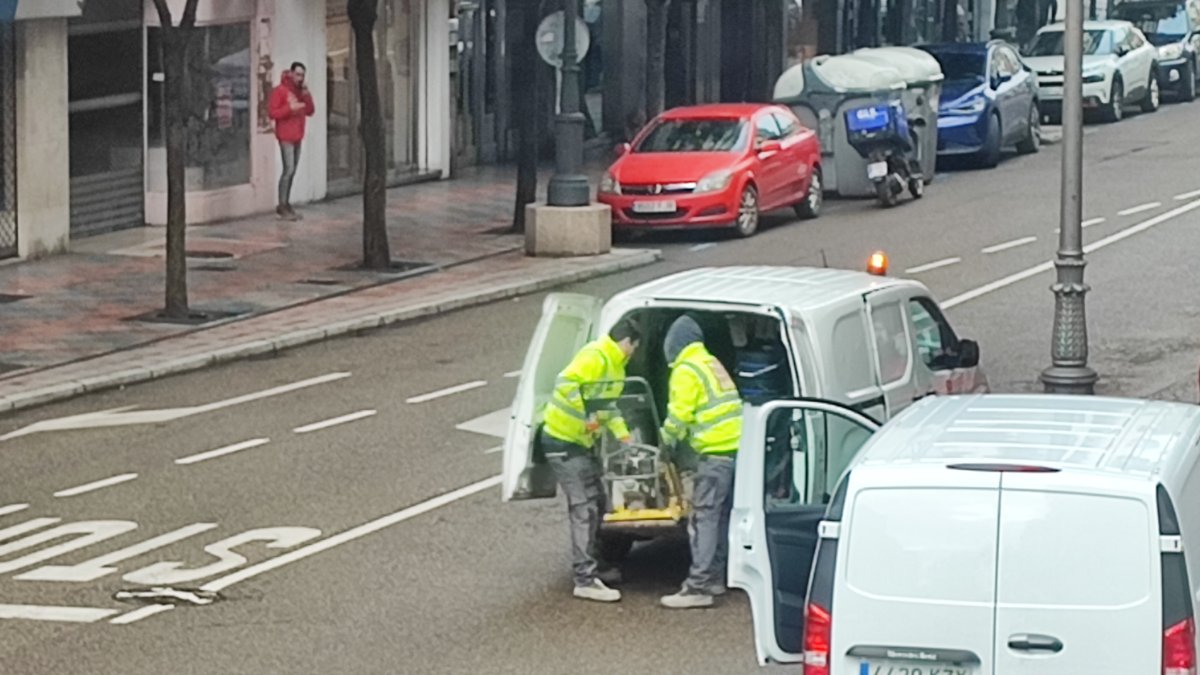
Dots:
pixel 894 668
pixel 876 170
pixel 662 206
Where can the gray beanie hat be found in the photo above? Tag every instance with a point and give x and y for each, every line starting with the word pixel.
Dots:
pixel 682 333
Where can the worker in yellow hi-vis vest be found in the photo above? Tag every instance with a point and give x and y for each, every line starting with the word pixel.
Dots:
pixel 704 413
pixel 569 439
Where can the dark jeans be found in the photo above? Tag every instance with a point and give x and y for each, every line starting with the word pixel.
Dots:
pixel 291 157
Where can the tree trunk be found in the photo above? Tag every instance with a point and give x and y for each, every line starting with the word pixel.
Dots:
pixel 174 45
pixel 656 48
pixel 525 91
pixel 376 253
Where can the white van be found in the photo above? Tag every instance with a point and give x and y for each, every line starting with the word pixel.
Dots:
pixel 980 535
pixel 870 342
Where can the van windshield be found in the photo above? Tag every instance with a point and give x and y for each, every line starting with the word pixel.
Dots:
pixel 931 544
pixel 1072 550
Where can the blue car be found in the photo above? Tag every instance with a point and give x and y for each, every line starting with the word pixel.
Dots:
pixel 989 101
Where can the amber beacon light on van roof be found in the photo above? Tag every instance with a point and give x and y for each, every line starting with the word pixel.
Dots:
pixel 877 264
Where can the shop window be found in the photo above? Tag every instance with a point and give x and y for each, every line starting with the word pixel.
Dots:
pixel 217 107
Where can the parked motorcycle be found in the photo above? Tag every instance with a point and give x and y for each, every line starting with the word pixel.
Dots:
pixel 880 134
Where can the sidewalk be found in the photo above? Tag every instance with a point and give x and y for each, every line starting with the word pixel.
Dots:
pixel 77 323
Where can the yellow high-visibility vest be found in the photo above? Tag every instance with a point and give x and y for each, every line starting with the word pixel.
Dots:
pixel 705 408
pixel 565 418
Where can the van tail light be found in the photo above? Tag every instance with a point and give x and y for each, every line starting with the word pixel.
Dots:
pixel 1179 648
pixel 818 637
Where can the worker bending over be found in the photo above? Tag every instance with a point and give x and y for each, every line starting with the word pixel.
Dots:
pixel 569 440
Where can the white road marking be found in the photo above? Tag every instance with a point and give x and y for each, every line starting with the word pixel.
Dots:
pixel 175 573
pixel 93 569
pixel 1049 265
pixel 27 526
pixel 350 535
pixel 512 374
pixel 141 613
pixel 492 451
pixel 448 391
pixel 1086 224
pixel 1187 195
pixel 493 424
pixel 1139 208
pixel 89 531
pixel 996 248
pixel 96 485
pixel 12 508
pixel 118 416
pixel 325 424
pixel 221 452
pixel 55 613
pixel 944 262
pixel 701 247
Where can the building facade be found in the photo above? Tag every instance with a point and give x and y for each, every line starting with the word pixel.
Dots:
pixel 33 126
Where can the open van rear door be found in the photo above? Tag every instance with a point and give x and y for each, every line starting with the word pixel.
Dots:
pixel 567 324
pixel 791 457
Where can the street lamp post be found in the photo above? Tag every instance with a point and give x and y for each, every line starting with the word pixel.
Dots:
pixel 1069 372
pixel 569 186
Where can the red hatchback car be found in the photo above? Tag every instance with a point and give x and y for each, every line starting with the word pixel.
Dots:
pixel 714 166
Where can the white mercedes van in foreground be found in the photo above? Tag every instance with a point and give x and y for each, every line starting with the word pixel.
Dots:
pixel 981 535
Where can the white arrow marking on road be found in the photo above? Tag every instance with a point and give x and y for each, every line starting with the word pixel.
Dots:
pixel 118 417
pixel 54 613
pixel 493 424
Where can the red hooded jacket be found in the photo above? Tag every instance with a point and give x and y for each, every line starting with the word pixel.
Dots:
pixel 289 124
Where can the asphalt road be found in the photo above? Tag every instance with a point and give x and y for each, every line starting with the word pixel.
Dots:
pixel 465 584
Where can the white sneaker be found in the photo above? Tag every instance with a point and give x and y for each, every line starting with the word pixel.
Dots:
pixel 597 591
pixel 687 599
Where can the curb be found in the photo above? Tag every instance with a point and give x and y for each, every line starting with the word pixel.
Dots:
pixel 118 378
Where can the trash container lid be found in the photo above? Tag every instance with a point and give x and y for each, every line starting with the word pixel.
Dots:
pixel 846 72
pixel 916 66
pixel 791 83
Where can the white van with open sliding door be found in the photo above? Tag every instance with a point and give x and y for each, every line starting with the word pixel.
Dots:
pixel 870 342
pixel 997 535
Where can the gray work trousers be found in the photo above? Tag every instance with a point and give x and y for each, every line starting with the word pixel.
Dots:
pixel 290 152
pixel 708 527
pixel 579 477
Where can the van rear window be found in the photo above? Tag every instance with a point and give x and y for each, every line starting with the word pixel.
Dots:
pixel 1074 550
pixel 924 544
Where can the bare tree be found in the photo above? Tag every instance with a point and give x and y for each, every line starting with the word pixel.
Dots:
pixel 376 252
pixel 174 45
pixel 656 53
pixel 525 92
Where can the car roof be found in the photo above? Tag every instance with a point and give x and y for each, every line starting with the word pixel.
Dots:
pixel 1130 437
pixel 796 288
pixel 739 110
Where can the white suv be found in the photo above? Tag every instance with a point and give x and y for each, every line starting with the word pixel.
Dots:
pixel 1119 68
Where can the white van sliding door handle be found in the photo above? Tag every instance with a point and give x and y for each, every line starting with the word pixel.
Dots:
pixel 1035 643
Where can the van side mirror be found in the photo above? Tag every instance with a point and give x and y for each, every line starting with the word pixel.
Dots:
pixel 622 149
pixel 968 354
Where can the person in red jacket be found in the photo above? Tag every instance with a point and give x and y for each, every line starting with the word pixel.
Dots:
pixel 290 105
